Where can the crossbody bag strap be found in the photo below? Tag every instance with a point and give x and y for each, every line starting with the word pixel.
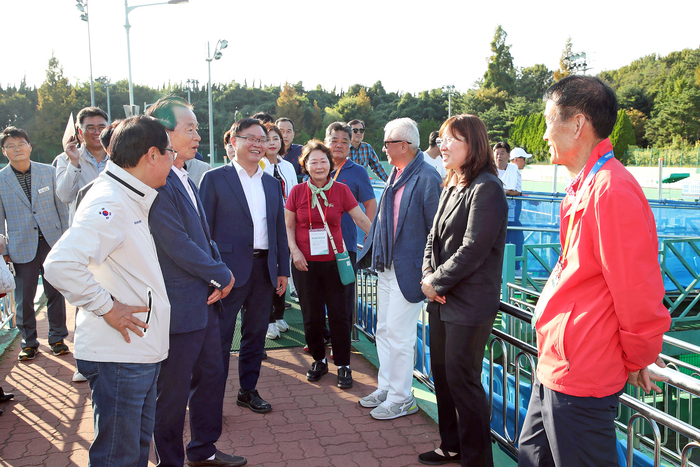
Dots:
pixel 328 230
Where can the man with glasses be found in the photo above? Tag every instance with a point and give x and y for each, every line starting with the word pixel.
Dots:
pixel 286 126
pixel 195 279
pixel 362 153
pixel 36 218
pixel 245 212
pixel 79 165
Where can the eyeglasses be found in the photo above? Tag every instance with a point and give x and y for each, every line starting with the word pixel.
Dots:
pixel 12 147
pixel 252 139
pixel 94 129
pixel 174 152
pixel 441 141
pixel 394 141
pixel 358 130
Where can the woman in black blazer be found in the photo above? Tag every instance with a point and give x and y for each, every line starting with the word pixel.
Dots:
pixel 462 278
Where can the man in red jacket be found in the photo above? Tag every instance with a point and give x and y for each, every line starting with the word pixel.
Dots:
pixel 600 320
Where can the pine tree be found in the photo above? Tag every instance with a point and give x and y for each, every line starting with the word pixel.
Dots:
pixel 564 62
pixel 500 73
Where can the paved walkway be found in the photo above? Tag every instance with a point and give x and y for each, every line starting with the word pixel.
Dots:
pixel 49 423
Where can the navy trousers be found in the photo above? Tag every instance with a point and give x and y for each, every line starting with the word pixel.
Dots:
pixel 255 296
pixel 193 374
pixel 568 431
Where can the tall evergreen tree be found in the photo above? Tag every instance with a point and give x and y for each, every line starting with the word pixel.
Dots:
pixel 500 73
pixel 564 62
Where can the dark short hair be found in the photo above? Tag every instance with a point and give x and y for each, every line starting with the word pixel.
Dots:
pixel 432 139
pixel 285 119
pixel 273 129
pixel 91 112
pixel 311 146
pixel 106 135
pixel 470 129
pixel 133 137
pixel 264 117
pixel 502 144
pixel 355 122
pixel 227 137
pixel 339 126
pixel 244 124
pixel 164 110
pixel 13 132
pixel 588 95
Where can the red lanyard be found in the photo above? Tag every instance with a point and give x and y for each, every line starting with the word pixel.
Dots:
pixel 308 202
pixel 337 171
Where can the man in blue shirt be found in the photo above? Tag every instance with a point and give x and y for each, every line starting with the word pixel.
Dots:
pixel 286 126
pixel 362 153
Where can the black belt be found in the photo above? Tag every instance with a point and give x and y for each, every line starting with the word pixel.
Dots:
pixel 259 254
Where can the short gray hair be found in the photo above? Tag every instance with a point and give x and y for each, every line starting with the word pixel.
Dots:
pixel 339 126
pixel 405 129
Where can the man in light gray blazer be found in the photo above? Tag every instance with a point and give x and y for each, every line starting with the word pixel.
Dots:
pixel 36 218
pixel 394 248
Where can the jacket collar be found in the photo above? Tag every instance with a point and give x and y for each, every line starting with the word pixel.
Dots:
pixel 134 188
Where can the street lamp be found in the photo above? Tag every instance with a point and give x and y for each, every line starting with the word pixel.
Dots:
pixel 82 6
pixel 191 83
pixel 104 81
pixel 127 26
pixel 220 45
pixel 577 62
pixel 449 89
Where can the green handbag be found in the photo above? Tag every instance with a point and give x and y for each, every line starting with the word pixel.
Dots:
pixel 345 269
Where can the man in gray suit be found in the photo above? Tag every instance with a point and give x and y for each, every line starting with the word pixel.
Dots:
pixel 36 218
pixel 394 247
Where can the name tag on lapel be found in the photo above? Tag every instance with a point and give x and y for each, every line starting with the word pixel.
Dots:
pixel 43 190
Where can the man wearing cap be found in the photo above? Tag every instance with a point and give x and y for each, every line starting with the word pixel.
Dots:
pixel 519 157
pixel 600 319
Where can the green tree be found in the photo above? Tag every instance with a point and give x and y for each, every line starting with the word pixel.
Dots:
pixel 639 121
pixel 289 105
pixel 500 73
pixel 564 62
pixel 622 135
pixel 56 99
pixel 533 81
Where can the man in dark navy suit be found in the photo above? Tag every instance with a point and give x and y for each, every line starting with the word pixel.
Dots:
pixel 245 211
pixel 195 279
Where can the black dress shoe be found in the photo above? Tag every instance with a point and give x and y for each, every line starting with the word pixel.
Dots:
pixel 252 400
pixel 318 369
pixel 433 458
pixel 344 377
pixel 5 396
pixel 220 460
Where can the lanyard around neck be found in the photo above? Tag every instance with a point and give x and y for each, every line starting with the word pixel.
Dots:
pixel 337 171
pixel 318 200
pixel 586 183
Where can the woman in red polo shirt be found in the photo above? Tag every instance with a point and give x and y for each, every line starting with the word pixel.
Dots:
pixel 315 271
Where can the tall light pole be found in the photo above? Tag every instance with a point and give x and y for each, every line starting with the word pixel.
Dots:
pixel 190 84
pixel 82 6
pixel 127 26
pixel 104 81
pixel 577 62
pixel 449 89
pixel 220 45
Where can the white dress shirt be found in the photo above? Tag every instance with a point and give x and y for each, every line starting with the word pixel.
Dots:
pixel 255 196
pixel 183 176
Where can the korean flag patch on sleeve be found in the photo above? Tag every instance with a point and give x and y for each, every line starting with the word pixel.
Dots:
pixel 106 214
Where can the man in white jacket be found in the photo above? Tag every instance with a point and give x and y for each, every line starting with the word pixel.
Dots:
pixel 107 265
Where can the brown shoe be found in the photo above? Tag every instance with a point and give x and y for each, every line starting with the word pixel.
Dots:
pixel 220 460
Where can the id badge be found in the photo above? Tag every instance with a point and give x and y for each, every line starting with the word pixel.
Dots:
pixel 318 239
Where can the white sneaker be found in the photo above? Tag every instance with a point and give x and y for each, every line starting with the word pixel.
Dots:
pixel 78 377
pixel 282 325
pixel 390 410
pixel 272 332
pixel 374 399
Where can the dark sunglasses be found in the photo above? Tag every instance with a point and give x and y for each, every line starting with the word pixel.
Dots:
pixel 358 130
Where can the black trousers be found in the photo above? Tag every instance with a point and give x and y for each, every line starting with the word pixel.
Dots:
pixel 255 296
pixel 456 355
pixel 277 307
pixel 320 288
pixel 568 431
pixel 193 374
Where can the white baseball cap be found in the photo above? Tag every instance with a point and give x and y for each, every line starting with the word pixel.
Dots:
pixel 519 152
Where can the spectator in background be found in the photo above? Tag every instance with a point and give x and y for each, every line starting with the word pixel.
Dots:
pixel 283 171
pixel 32 218
pixel 519 157
pixel 264 117
pixel 293 153
pixel 122 327
pixel 600 319
pixel 79 165
pixel 394 248
pixel 229 147
pixel 362 153
pixel 432 154
pixel 508 173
